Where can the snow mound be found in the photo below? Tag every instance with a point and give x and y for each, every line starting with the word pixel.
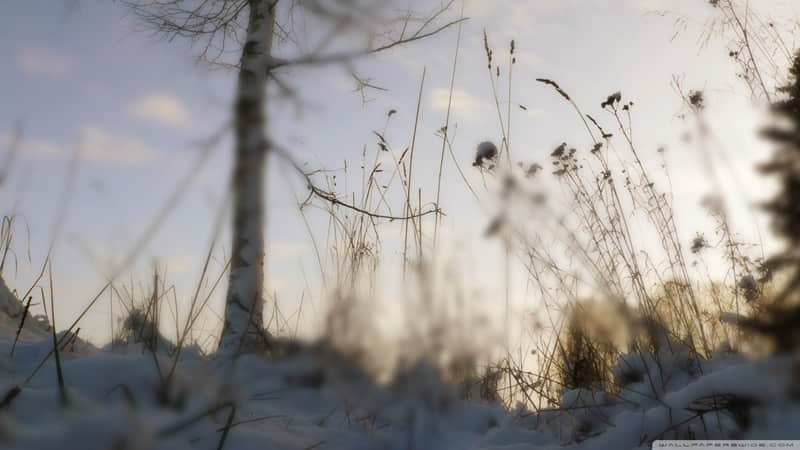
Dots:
pixel 130 396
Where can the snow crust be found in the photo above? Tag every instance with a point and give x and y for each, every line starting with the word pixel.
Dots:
pixel 312 398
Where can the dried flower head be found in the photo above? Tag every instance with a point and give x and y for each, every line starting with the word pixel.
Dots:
pixel 555 86
pixel 559 151
pixel 698 243
pixel 749 287
pixel 533 169
pixel 612 99
pixel 487 49
pixel 696 99
pixel 486 151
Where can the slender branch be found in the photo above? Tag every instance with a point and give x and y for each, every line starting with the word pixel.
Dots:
pixel 309 60
pixel 330 197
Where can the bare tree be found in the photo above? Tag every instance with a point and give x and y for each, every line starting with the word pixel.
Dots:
pixel 253 26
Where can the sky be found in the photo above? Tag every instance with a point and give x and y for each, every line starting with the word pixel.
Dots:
pixel 84 77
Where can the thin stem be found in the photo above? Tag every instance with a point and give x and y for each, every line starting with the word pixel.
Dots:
pixel 410 172
pixel 446 129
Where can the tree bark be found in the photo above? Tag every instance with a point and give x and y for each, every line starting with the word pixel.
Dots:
pixel 243 329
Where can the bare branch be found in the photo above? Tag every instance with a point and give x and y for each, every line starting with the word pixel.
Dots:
pixel 314 190
pixel 349 56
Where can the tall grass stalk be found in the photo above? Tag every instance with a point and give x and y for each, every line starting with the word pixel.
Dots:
pixel 446 129
pixel 62 389
pixel 409 179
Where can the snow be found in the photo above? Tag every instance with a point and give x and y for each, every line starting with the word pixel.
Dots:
pixel 311 397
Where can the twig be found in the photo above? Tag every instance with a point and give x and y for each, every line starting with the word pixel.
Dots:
pixel 61 388
pixel 331 198
pixel 226 429
pixel 191 420
pixel 349 56
pixel 21 324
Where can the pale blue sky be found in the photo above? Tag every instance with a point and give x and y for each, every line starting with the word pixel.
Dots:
pixel 135 104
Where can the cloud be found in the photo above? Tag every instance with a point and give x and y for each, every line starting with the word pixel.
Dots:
pixel 160 108
pixel 283 250
pixel 465 105
pixel 41 148
pixel 39 61
pixel 37 148
pixel 650 5
pixel 100 146
pixel 96 145
pixel 182 264
pixel 277 284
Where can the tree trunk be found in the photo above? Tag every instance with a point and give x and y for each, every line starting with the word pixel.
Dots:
pixel 243 329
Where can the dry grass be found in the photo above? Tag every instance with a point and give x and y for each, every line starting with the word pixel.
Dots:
pixel 650 304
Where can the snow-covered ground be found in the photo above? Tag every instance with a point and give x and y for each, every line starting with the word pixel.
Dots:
pixel 311 398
